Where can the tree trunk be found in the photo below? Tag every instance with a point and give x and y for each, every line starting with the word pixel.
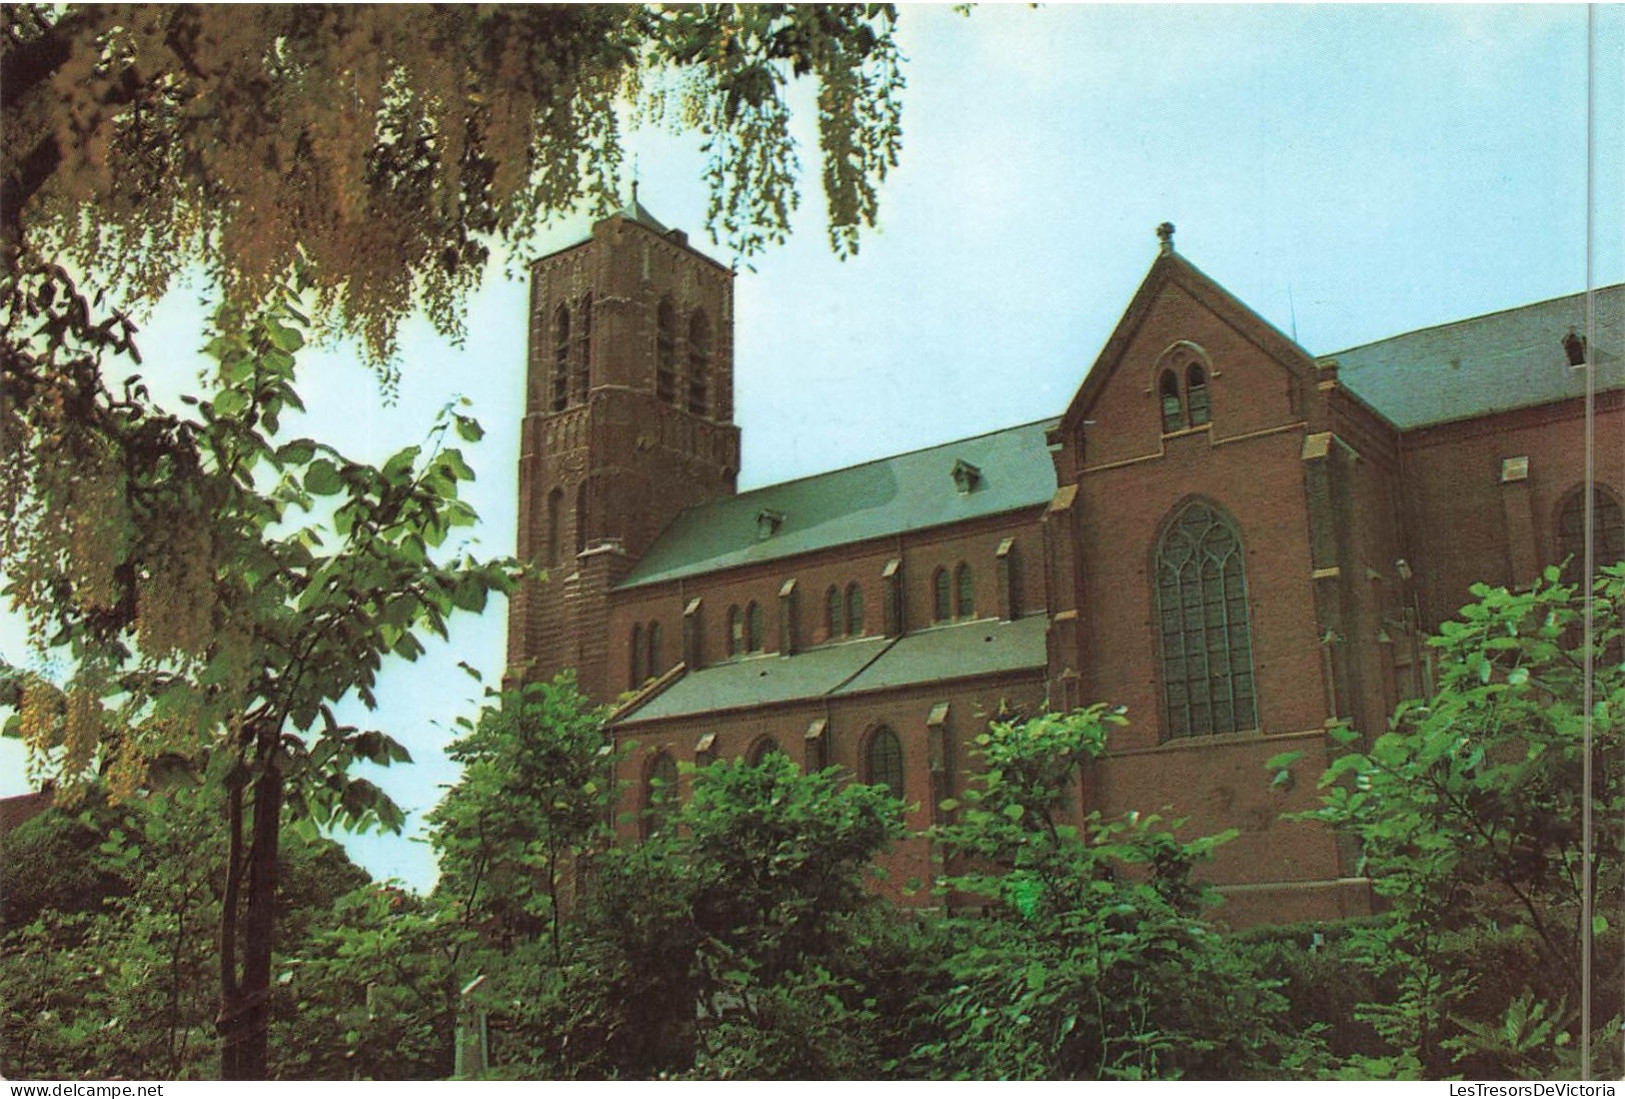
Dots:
pixel 245 1003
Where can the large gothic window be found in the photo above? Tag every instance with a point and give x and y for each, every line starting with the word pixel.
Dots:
pixel 1206 640
pixel 561 359
pixel 883 761
pixel 638 673
pixel 1608 523
pixel 832 612
pixel 666 352
pixel 656 663
pixel 699 364
pixel 854 609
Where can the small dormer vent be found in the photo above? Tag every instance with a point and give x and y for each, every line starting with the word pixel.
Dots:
pixel 966 476
pixel 1574 346
pixel 768 523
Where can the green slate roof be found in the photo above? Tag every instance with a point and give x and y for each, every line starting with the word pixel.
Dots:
pixel 853 667
pixel 1494 363
pixel 1011 469
pixel 955 652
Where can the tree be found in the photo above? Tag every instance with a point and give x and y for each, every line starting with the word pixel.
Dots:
pixel 249 138
pixel 533 799
pixel 714 947
pixel 317 162
pixel 163 557
pixel 108 957
pixel 1472 820
pixel 1096 963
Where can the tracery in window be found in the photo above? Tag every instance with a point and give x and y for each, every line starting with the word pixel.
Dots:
pixel 561 358
pixel 666 352
pixel 883 761
pixel 1184 393
pixel 699 364
pixel 1203 626
pixel 964 591
pixel 854 609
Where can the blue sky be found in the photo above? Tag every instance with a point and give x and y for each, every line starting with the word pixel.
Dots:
pixel 1349 172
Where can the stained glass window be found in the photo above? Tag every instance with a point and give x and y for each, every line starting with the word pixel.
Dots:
pixel 1207 655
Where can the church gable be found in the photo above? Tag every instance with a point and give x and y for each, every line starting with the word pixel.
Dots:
pixel 1187 357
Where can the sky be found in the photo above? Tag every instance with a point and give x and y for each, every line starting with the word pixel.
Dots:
pixel 1350 172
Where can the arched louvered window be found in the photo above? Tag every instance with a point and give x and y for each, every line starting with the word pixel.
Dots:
pixel 561 359
pixel 764 747
pixel 941 596
pixel 699 364
pixel 582 373
pixel 736 631
pixel 1203 626
pixel 555 516
pixel 832 612
pixel 637 674
pixel 660 795
pixel 666 352
pixel 753 628
pixel 656 664
pixel 1173 408
pixel 1196 388
pixel 883 761
pixel 1608 524
pixel 964 591
pixel 854 609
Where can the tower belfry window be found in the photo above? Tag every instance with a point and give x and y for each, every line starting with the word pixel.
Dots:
pixel 666 352
pixel 581 379
pixel 561 359
pixel 699 364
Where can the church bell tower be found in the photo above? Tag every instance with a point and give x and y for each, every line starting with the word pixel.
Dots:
pixel 628 420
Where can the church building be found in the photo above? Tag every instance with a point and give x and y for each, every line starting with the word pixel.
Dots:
pixel 1239 541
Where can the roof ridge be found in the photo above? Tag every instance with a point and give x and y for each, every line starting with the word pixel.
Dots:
pixel 883 458
pixel 1475 318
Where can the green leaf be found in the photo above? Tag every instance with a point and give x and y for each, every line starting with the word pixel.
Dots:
pixel 322 478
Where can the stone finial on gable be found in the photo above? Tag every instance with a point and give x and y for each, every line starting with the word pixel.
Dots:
pixel 1165 234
